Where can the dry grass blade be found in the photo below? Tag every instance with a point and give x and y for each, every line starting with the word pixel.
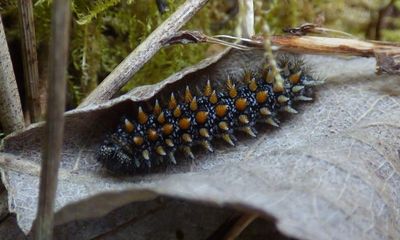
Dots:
pixel 190 37
pixel 11 116
pixel 240 225
pixel 30 61
pixel 54 127
pixel 386 53
pixel 136 59
pixel 327 45
pixel 311 28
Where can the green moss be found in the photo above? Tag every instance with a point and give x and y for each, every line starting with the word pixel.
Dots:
pixel 391 35
pixel 104 32
pixel 7 6
pixel 175 58
pixel 86 11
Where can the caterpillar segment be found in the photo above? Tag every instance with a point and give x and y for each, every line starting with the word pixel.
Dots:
pixel 153 137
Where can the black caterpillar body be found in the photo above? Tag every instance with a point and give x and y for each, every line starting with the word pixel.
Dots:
pixel 153 137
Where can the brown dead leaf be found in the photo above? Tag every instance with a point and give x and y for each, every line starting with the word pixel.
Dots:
pixel 329 172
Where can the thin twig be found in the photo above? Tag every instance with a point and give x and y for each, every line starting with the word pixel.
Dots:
pixel 187 37
pixel 233 38
pixel 340 46
pixel 30 61
pixel 240 225
pixel 54 127
pixel 311 28
pixel 11 116
pixel 136 59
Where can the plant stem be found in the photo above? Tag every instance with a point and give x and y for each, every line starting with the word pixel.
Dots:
pixel 30 61
pixel 54 127
pixel 138 57
pixel 240 225
pixel 245 27
pixel 11 116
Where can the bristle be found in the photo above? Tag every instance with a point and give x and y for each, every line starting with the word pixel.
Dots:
pixel 283 99
pixel 262 96
pixel 172 102
pixel 285 66
pixel 241 104
pixel 208 89
pixel 243 119
pixel 152 134
pixel 146 154
pixel 272 122
pixel 138 140
pixel 223 126
pixel 221 110
pixel 177 112
pixel 172 157
pixel 184 123
pixel 295 78
pixel 201 117
pixel 232 91
pixel 253 85
pixel 265 111
pixel 160 150
pixel 169 142
pixel 247 77
pixel 188 95
pixel 161 118
pixel 167 129
pixel 128 126
pixel 142 116
pixel 289 109
pixel 204 132
pixel 207 145
pixel 157 108
pixel 193 104
pixel 249 131
pixel 228 139
pixel 213 98
pixel 187 138
pixel 188 152
pixel 297 88
pixel 303 98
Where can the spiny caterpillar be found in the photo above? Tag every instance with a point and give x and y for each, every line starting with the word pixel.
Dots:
pixel 153 137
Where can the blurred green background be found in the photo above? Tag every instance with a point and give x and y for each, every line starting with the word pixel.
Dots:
pixel 104 32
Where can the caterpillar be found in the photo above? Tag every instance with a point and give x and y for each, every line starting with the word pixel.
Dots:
pixel 153 137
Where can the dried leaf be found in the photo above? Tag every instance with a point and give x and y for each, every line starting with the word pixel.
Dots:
pixel 152 220
pixel 331 171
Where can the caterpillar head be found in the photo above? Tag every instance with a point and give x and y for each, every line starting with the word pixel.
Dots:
pixel 116 156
